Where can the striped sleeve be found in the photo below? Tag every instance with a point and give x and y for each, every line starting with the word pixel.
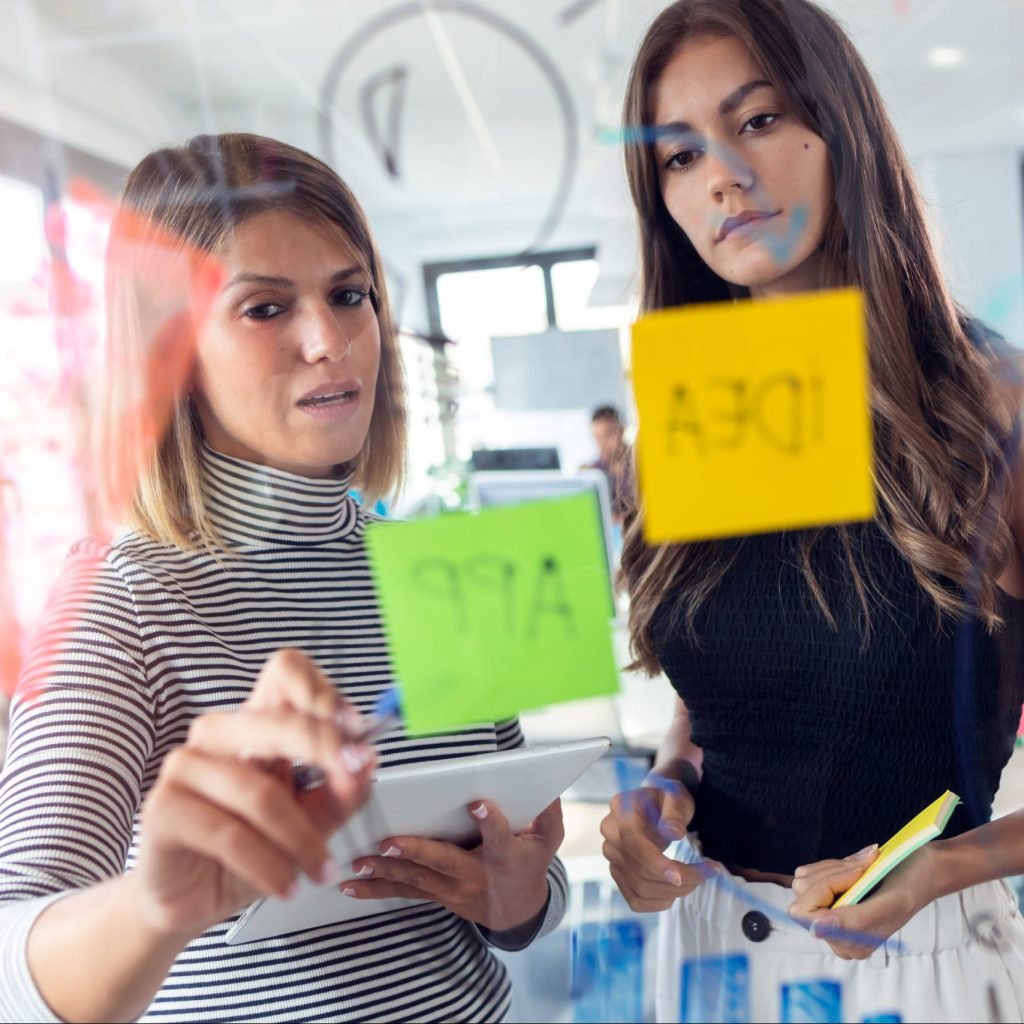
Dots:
pixel 510 736
pixel 19 998
pixel 82 731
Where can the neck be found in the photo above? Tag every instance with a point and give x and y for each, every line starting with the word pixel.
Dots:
pixel 250 504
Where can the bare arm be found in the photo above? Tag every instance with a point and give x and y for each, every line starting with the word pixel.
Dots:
pixel 990 852
pixel 994 850
pixel 678 756
pixel 93 957
pixel 221 827
pixel 641 824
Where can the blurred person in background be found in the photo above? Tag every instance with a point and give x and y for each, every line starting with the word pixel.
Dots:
pixel 614 457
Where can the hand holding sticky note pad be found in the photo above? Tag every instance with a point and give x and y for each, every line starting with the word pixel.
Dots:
pixel 754 416
pixel 490 613
pixel 925 827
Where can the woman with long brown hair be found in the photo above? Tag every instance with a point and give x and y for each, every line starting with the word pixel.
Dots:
pixel 233 628
pixel 834 681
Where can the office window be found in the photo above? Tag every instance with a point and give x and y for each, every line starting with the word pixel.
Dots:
pixel 473 301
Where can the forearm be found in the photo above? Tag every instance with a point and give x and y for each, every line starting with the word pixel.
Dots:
pixel 991 851
pixel 678 756
pixel 93 957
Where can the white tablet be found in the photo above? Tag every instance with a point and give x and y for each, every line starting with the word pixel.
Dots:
pixel 429 800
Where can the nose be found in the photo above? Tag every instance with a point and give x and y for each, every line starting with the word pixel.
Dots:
pixel 323 337
pixel 726 171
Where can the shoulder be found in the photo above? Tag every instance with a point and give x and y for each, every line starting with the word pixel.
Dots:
pixel 102 578
pixel 90 631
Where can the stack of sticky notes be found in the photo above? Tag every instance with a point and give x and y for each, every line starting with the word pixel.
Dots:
pixel 925 827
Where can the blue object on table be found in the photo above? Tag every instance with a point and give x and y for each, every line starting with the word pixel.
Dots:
pixel 608 973
pixel 812 1002
pixel 716 988
pixel 883 1018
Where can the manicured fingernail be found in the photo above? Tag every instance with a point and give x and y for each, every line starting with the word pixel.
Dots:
pixel 355 757
pixel 673 828
pixel 392 851
pixel 364 872
pixel 479 812
pixel 824 926
pixel 671 875
pixel 348 891
pixel 350 721
pixel 292 891
pixel 866 852
pixel 329 872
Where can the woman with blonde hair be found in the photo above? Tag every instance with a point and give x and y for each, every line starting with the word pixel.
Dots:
pixel 831 682
pixel 148 794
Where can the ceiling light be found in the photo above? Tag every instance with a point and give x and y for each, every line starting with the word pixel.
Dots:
pixel 945 56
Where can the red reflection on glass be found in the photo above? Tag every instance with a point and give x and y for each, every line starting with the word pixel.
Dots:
pixel 104 344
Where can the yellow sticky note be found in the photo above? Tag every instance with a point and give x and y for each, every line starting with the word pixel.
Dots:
pixel 920 830
pixel 753 416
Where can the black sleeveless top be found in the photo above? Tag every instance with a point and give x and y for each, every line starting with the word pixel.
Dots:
pixel 815 745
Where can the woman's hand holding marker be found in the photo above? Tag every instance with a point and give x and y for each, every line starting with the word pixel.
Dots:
pixel 224 824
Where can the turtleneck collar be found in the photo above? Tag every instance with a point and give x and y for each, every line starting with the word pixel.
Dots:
pixel 251 504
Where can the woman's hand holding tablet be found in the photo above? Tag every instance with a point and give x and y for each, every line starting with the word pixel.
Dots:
pixel 500 883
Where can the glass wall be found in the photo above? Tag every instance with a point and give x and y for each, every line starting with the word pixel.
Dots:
pixel 839 672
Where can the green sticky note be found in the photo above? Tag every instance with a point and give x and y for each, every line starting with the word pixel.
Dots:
pixel 494 612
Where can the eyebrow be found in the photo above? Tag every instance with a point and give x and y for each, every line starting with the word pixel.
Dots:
pixel 286 282
pixel 726 107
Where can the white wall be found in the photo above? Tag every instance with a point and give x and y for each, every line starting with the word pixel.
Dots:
pixel 80 99
pixel 977 202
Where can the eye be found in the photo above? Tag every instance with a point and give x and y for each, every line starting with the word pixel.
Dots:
pixel 761 122
pixel 680 161
pixel 350 296
pixel 263 311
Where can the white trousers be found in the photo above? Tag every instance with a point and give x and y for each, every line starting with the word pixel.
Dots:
pixel 959 959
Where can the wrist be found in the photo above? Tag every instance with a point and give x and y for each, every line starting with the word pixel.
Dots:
pixel 151 928
pixel 518 936
pixel 534 906
pixel 946 867
pixel 679 770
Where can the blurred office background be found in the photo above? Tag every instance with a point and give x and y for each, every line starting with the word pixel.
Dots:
pixel 483 140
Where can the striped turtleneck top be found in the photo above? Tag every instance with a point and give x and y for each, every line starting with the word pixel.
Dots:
pixel 140 638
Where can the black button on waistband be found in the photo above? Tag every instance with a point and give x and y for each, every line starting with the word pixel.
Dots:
pixel 755 926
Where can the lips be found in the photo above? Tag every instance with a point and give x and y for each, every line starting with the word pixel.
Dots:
pixel 746 217
pixel 330 393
